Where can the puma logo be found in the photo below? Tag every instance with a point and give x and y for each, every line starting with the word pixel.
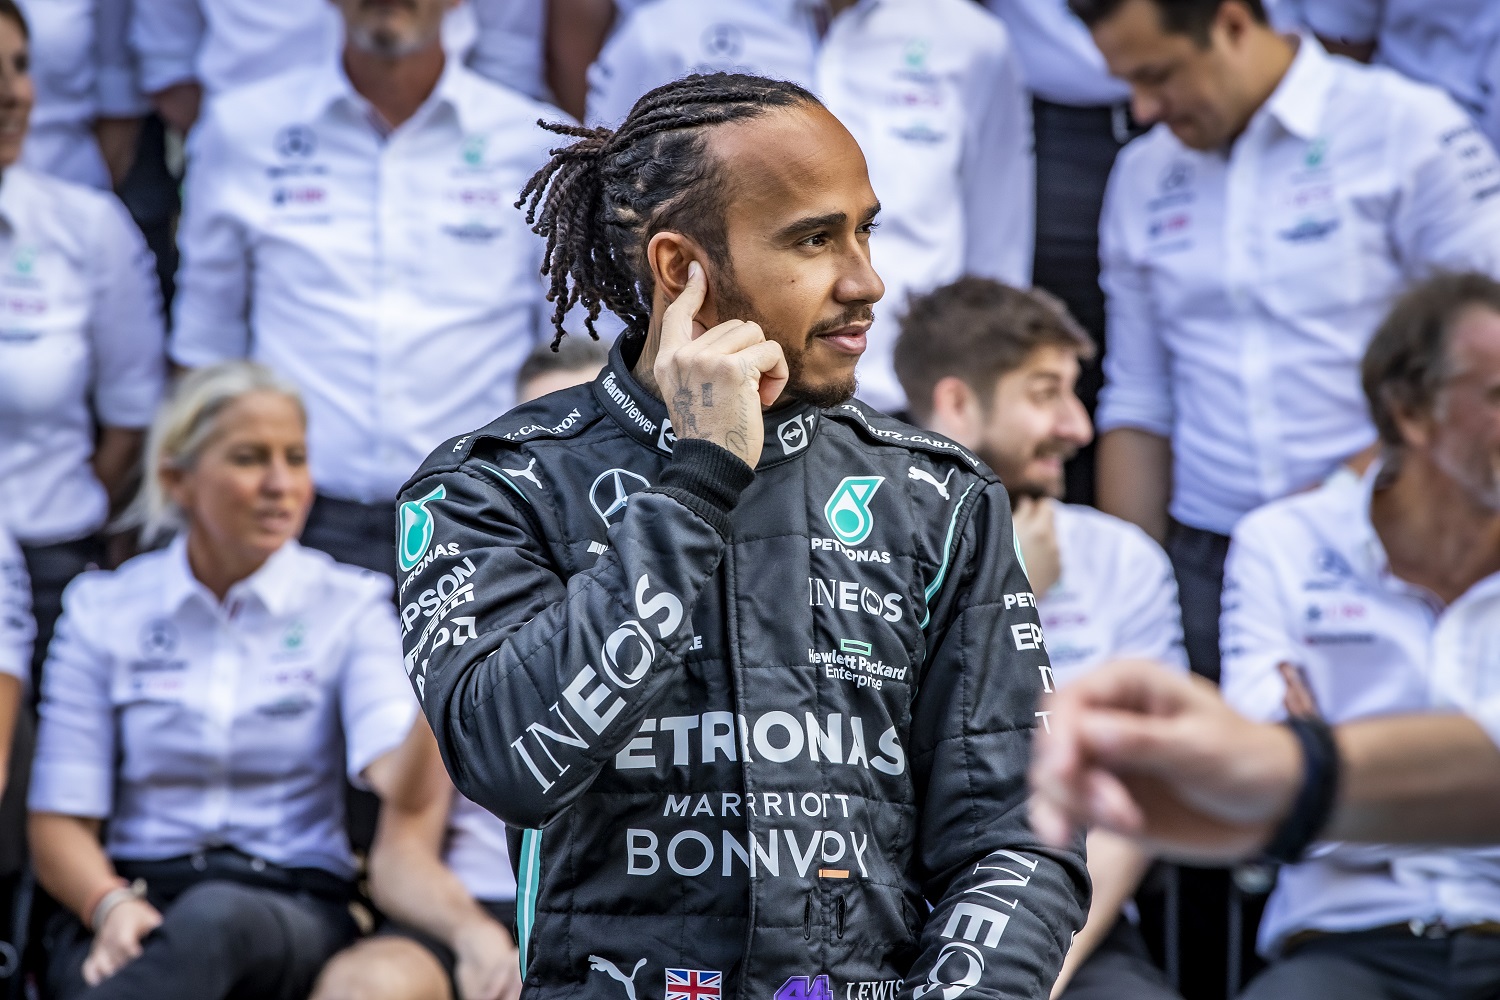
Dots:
pixel 597 964
pixel 922 476
pixel 526 473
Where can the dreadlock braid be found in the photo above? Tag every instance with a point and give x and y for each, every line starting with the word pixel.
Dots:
pixel 599 201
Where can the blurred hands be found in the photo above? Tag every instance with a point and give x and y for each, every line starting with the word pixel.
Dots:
pixel 118 942
pixel 1159 757
pixel 489 966
pixel 1036 530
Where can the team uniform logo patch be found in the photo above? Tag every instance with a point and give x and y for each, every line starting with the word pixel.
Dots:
pixel 848 510
pixel 416 529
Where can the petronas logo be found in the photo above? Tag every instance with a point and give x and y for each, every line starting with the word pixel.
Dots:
pixel 848 510
pixel 416 529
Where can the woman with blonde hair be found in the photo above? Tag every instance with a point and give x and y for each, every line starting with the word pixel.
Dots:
pixel 205 702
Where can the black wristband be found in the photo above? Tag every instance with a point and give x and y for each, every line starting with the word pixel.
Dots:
pixel 707 479
pixel 1320 788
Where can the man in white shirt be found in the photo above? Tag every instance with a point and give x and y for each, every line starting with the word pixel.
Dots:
pixel 189 50
pixel 1250 243
pixel 930 89
pixel 1454 44
pixel 996 369
pixel 1082 120
pixel 352 226
pixel 1351 601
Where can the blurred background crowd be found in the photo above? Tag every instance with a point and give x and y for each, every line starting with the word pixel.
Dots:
pixel 259 257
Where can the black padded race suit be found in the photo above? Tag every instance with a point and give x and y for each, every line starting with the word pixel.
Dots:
pixel 750 723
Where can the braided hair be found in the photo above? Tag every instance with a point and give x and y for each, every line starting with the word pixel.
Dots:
pixel 599 200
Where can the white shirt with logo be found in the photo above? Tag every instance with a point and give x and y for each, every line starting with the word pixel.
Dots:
pixel 476 851
pixel 81 70
pixel 1308 583
pixel 1242 287
pixel 190 724
pixel 1454 44
pixel 81 342
pixel 1116 596
pixel 230 43
pixel 17 627
pixel 391 276
pixel 930 89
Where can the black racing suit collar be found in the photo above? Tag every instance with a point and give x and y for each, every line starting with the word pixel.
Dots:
pixel 789 428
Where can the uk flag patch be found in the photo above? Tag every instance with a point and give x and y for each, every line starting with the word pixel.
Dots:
pixel 693 984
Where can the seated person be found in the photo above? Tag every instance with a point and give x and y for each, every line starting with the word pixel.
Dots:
pixel 1358 599
pixel 996 369
pixel 17 631
pixel 206 701
pixel 575 360
pixel 440 870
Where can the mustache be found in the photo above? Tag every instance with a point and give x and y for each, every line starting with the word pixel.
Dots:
pixel 860 314
pixel 1056 447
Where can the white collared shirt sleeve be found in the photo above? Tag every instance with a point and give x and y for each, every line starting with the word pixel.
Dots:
pixel 628 66
pixel 376 704
pixel 999 171
pixel 1254 625
pixel 166 36
pixel 508 45
pixel 1145 603
pixel 1343 20
pixel 1448 210
pixel 116 92
pixel 125 323
pixel 210 313
pixel 1137 388
pixel 74 769
pixel 17 626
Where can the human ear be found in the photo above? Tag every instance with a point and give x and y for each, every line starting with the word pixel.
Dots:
pixel 956 412
pixel 669 254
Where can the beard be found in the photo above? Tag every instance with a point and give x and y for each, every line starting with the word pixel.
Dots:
pixel 1011 469
pixel 732 303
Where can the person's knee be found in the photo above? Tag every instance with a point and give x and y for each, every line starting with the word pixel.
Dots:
pixel 1316 977
pixel 207 919
pixel 383 968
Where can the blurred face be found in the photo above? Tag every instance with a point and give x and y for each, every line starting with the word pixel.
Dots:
pixel 16 93
pixel 393 28
pixel 250 491
pixel 1034 423
pixel 1204 93
pixel 535 388
pixel 1462 435
pixel 798 223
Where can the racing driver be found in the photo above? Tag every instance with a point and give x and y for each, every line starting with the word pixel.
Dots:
pixel 750 669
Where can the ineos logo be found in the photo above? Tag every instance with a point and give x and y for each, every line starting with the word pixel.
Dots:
pixel 958 967
pixel 631 643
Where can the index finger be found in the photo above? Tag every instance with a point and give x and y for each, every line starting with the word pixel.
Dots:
pixel 677 321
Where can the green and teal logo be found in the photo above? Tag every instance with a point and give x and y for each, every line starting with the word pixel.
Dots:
pixel 856 648
pixel 473 150
pixel 296 632
pixel 416 530
pixel 24 259
pixel 848 510
pixel 1316 150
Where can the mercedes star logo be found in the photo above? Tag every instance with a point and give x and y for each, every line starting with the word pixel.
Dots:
pixel 611 492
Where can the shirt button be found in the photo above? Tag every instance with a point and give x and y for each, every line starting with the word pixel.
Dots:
pixel 257 864
pixel 199 862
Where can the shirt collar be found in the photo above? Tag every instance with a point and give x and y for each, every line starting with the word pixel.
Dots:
pixel 1299 99
pixel 454 88
pixel 16 191
pixel 274 585
pixel 789 429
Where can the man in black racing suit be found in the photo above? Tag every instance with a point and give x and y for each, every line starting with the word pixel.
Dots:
pixel 754 670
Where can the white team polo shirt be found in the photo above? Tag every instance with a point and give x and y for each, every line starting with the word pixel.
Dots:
pixel 17 627
pixel 476 851
pixel 929 88
pixel 1061 62
pixel 391 277
pixel 81 69
pixel 1454 44
pixel 1243 286
pixel 1115 597
pixel 80 339
pixel 190 724
pixel 1307 582
pixel 230 43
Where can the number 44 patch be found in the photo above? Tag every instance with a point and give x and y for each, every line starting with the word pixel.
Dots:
pixel 805 988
